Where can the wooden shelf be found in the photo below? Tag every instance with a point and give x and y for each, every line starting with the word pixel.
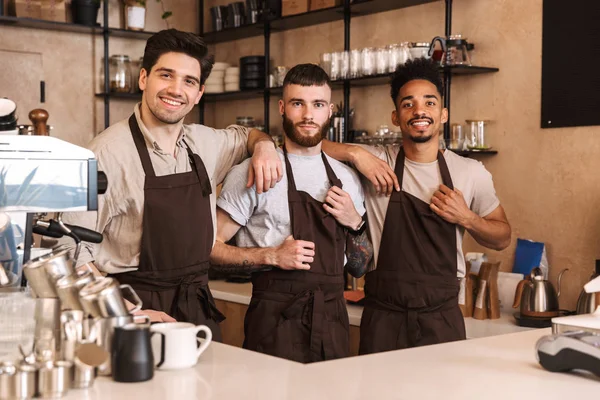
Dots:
pixel 358 8
pixel 239 95
pixel 124 96
pixel 126 33
pixel 49 25
pixel 374 80
pixel 467 153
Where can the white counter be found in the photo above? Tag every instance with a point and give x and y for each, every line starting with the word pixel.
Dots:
pixel 241 292
pixel 499 367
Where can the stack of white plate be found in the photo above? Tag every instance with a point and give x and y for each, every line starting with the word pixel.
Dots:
pixel 232 79
pixel 215 82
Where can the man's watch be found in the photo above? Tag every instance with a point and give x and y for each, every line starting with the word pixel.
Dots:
pixel 361 227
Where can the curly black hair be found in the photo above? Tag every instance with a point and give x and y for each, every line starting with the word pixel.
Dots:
pixel 419 68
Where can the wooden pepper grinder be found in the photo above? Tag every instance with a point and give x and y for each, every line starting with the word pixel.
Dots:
pixel 39 119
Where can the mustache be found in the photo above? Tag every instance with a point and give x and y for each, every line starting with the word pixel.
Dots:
pixel 410 121
pixel 309 123
pixel 177 98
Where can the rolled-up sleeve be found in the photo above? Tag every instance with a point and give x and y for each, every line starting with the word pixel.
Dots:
pixel 236 199
pixel 232 147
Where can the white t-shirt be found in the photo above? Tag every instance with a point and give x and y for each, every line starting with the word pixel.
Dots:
pixel 422 180
pixel 265 217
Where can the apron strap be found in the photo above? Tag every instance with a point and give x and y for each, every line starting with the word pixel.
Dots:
pixel 333 179
pixel 198 167
pixel 297 308
pixel 140 144
pixel 290 175
pixel 186 302
pixel 413 328
pixel 446 179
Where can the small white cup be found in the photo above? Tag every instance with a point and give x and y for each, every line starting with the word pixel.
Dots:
pixel 176 346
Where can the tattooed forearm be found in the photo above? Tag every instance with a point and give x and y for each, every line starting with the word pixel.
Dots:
pixel 244 266
pixel 359 252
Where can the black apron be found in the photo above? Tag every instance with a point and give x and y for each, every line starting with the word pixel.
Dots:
pixel 411 298
pixel 177 239
pixel 302 315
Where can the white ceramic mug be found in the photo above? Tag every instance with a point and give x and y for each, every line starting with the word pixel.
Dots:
pixel 176 344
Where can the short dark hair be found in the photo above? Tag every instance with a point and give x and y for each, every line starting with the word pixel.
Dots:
pixel 172 40
pixel 419 68
pixel 307 75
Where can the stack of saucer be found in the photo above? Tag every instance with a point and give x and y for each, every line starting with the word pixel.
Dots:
pixel 215 82
pixel 232 79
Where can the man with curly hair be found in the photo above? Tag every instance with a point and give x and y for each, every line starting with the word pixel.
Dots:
pixel 413 285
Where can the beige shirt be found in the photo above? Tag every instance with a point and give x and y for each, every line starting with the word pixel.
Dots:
pixel 121 208
pixel 422 180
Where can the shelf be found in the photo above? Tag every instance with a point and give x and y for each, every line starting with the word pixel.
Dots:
pixel 49 25
pixel 126 33
pixel 226 35
pixel 69 27
pixel 384 79
pixel 374 80
pixel 240 95
pixel 124 96
pixel 311 18
pixel 467 153
pixel 469 69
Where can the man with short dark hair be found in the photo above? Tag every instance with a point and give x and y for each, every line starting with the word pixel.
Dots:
pixel 158 214
pixel 293 238
pixel 412 287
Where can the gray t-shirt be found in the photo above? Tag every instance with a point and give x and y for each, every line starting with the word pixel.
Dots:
pixel 265 217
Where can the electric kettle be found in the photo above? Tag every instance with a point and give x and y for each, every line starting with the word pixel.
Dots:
pixel 587 302
pixel 536 296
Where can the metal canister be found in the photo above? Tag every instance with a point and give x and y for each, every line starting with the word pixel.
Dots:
pixel 8 372
pixel 54 379
pixel 26 381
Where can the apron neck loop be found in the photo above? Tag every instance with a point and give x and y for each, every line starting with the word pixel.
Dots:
pixel 140 144
pixel 443 166
pixel 288 171
pixel 194 163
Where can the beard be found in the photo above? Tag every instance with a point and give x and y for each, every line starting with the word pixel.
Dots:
pixel 420 139
pixel 165 116
pixel 292 132
pixel 424 138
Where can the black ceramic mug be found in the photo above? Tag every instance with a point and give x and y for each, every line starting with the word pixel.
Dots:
pixel 131 353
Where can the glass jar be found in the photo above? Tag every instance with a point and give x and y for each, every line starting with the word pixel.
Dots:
pixel 136 67
pixel 382 60
pixel 336 66
pixel 419 49
pixel 120 74
pixel 368 61
pixel 355 64
pixel 345 65
pixel 325 62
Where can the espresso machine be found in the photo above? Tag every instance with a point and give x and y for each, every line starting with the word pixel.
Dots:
pixel 40 175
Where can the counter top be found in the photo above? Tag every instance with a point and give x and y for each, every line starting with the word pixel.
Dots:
pixel 241 293
pixel 499 367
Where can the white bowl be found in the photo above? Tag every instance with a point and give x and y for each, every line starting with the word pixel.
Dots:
pixel 220 66
pixel 216 74
pixel 232 87
pixel 232 71
pixel 214 89
pixel 232 79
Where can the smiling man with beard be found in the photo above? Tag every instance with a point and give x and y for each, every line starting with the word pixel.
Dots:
pixel 412 287
pixel 293 238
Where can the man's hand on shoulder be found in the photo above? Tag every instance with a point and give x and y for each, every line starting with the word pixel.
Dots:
pixel 265 169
